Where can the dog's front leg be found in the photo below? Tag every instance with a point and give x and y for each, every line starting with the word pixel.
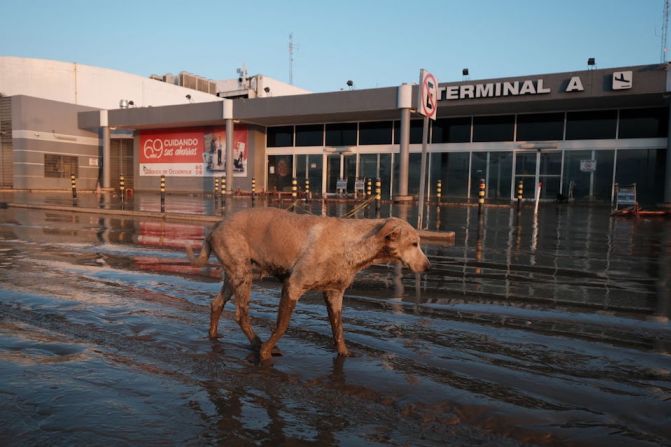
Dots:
pixel 333 300
pixel 287 304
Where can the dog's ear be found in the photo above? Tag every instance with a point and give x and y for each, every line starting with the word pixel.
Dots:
pixel 390 231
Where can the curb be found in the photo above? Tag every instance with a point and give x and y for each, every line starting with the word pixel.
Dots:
pixel 428 236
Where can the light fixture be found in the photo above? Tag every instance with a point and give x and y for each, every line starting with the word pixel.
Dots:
pixel 123 103
pixel 266 89
pixel 464 72
pixel 591 62
pixel 350 84
pixel 188 97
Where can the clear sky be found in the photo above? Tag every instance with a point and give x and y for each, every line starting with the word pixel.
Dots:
pixel 375 43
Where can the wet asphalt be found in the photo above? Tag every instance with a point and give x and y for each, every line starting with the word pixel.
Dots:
pixel 528 330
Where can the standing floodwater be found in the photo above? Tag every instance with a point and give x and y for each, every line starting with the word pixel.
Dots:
pixel 547 330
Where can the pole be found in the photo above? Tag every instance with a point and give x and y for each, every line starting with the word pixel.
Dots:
pixel 422 173
pixel 229 155
pixel 404 102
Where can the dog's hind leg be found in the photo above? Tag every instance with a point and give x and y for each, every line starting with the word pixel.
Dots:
pixel 217 306
pixel 333 301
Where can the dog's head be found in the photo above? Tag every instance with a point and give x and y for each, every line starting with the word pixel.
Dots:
pixel 400 241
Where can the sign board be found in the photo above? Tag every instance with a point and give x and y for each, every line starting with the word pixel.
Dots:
pixel 626 196
pixel 587 165
pixel 427 103
pixel 622 80
pixel 341 184
pixel 191 152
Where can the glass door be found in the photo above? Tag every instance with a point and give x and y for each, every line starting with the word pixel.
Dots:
pixel 340 167
pixel 332 172
pixel 534 167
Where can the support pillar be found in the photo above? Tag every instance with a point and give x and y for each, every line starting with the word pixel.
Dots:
pixel 228 117
pixel 405 104
pixel 107 153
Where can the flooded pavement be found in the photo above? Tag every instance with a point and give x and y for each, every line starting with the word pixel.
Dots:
pixel 527 331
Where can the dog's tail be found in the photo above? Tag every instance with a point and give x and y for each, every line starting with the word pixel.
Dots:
pixel 204 255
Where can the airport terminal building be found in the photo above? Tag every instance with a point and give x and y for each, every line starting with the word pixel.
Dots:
pixel 578 133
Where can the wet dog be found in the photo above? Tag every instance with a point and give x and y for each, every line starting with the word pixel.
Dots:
pixel 305 252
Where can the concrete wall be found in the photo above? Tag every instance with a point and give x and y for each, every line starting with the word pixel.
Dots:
pixel 86 85
pixel 42 127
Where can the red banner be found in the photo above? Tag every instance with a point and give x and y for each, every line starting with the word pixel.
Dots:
pixel 191 152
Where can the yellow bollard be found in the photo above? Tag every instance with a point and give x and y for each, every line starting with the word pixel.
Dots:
pixel 73 184
pixel 163 193
pixel 481 193
pixel 439 190
pixel 294 188
pixel 216 187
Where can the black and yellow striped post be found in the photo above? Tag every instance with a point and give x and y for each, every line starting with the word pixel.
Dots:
pixel 122 188
pixel 163 193
pixel 481 194
pixel 253 190
pixel 308 195
pixel 369 187
pixel 73 184
pixel 439 190
pixel 520 193
pixel 378 194
pixel 215 192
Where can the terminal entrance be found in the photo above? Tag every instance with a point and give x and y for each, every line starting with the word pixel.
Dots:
pixel 340 167
pixel 534 167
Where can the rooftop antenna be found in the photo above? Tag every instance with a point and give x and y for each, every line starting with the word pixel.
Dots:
pixel 665 31
pixel 292 47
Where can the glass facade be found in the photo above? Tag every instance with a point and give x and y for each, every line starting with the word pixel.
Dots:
pixel 579 170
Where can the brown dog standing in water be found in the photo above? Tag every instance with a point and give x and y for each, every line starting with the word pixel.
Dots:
pixel 305 252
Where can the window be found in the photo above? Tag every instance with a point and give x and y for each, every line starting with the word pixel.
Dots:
pixel 591 125
pixel 644 123
pixel 280 136
pixel 310 135
pixel 341 134
pixel 451 130
pixel 60 166
pixel 376 132
pixel 416 128
pixel 493 128
pixel 543 126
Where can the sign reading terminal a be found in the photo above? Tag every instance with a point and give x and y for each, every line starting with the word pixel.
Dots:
pixel 620 81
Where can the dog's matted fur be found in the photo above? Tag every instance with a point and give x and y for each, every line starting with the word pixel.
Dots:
pixel 305 252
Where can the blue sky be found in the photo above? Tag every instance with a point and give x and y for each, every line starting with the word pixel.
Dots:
pixel 372 42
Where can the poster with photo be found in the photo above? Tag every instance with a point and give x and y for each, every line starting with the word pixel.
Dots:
pixel 191 152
